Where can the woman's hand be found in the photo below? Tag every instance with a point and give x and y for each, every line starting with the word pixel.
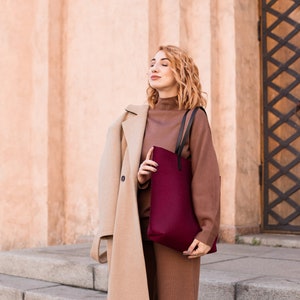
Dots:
pixel 147 167
pixel 196 249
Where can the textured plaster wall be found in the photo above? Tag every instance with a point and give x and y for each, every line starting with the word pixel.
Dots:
pixel 69 68
pixel 106 59
pixel 23 123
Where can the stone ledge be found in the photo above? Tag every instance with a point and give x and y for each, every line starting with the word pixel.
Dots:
pixel 69 265
pixel 19 288
pixel 274 240
pixel 268 288
pixel 62 292
pixel 215 285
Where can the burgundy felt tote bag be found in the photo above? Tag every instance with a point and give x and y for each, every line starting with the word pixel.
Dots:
pixel 172 220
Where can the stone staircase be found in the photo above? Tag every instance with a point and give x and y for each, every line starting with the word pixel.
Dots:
pixel 59 272
pixel 235 272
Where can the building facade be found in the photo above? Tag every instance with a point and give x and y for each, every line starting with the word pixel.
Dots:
pixel 68 69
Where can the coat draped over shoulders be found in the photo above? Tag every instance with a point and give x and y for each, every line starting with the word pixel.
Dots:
pixel 119 222
pixel 118 216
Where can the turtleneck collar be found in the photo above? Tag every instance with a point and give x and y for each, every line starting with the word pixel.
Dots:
pixel 170 103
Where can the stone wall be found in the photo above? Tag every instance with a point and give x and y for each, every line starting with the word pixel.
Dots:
pixel 68 69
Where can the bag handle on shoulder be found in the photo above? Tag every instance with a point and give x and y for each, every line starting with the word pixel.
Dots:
pixel 181 141
pixel 181 129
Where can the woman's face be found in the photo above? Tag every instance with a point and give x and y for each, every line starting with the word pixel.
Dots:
pixel 161 77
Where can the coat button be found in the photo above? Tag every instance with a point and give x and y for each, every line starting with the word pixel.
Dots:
pixel 123 178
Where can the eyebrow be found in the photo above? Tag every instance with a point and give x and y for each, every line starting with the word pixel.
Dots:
pixel 165 58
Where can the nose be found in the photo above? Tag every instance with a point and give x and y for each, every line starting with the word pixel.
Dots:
pixel 153 68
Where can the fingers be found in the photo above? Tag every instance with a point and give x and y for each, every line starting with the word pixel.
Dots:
pixel 196 249
pixel 147 167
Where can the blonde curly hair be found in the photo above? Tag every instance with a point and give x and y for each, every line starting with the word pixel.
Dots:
pixel 186 74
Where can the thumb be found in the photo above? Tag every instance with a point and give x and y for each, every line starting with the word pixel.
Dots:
pixel 192 247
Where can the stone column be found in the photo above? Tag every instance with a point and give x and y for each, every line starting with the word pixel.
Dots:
pixel 105 66
pixel 56 113
pixel 164 24
pixel 236 113
pixel 23 123
pixel 196 38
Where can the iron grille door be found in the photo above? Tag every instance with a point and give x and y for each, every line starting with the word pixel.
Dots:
pixel 280 44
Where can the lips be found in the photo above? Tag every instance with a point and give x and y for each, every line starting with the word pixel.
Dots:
pixel 154 77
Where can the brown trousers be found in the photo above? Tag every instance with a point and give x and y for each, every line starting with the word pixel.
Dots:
pixel 171 276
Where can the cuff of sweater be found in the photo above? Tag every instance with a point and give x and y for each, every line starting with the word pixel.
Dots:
pixel 144 185
pixel 206 237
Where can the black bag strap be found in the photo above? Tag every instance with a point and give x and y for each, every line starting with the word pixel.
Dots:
pixel 182 141
pixel 180 134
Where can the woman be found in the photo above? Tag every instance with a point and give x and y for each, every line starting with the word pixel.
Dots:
pixel 138 268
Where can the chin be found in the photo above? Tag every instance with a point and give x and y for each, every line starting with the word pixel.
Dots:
pixel 155 86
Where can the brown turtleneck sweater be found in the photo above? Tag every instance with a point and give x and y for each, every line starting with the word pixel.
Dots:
pixel 162 129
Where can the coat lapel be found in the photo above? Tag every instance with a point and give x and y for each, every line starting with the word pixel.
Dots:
pixel 134 128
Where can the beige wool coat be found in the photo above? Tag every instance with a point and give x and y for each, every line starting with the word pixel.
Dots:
pixel 119 216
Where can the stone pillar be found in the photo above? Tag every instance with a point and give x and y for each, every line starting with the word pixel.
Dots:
pixel 235 113
pixel 23 123
pixel 164 24
pixel 105 66
pixel 31 157
pixel 56 184
pixel 248 197
pixel 196 37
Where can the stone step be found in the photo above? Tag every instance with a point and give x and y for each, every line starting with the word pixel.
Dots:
pixel 67 265
pixel 239 272
pixel 19 288
pixel 274 240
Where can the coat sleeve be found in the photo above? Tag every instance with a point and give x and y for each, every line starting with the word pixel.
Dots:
pixel 206 179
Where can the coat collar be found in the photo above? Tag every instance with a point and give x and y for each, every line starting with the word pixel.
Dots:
pixel 134 128
pixel 138 109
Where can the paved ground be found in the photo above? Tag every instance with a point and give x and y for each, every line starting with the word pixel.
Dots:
pixel 251 272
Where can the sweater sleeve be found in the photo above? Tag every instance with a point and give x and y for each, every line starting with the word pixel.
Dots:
pixel 206 179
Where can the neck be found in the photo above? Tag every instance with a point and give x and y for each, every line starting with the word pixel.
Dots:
pixel 169 103
pixel 165 94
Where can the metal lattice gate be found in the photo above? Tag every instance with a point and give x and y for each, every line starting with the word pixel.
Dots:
pixel 280 46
